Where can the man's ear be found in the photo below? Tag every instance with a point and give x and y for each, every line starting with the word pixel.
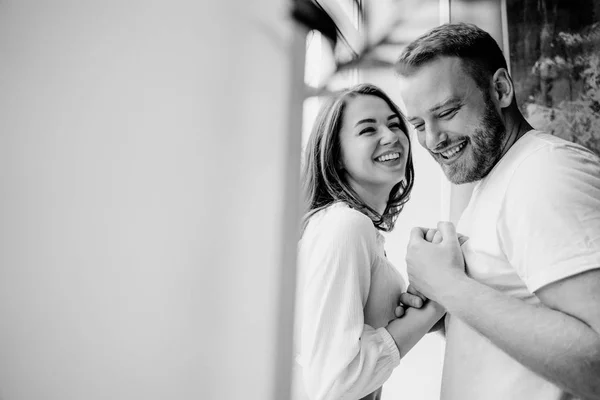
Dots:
pixel 504 91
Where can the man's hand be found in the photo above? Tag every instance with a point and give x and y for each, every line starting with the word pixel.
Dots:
pixel 433 236
pixel 434 259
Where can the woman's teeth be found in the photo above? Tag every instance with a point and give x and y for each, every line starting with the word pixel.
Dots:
pixel 388 157
pixel 453 151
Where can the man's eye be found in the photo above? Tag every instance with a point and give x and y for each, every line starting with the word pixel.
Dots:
pixel 448 113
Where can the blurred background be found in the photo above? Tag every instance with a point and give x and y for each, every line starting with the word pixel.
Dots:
pixel 149 160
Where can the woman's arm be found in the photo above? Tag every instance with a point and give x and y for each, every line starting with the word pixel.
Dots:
pixel 341 356
pixel 412 298
pixel 415 323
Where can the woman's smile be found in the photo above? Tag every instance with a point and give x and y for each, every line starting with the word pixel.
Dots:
pixel 390 158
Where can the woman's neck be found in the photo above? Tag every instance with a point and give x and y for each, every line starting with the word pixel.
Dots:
pixel 374 197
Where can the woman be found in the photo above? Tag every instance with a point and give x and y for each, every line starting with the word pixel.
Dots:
pixel 357 176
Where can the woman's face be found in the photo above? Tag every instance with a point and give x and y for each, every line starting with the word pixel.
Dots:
pixel 374 148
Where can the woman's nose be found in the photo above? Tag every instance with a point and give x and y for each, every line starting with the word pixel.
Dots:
pixel 388 136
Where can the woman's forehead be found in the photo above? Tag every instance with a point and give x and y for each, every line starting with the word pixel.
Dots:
pixel 362 106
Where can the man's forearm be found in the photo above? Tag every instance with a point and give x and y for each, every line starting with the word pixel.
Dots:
pixel 555 345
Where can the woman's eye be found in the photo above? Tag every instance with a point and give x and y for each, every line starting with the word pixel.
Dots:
pixel 419 127
pixel 367 131
pixel 395 125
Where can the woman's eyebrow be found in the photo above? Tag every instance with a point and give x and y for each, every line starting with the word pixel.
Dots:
pixel 365 121
pixel 372 121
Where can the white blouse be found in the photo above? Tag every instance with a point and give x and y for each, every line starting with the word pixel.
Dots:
pixel 347 292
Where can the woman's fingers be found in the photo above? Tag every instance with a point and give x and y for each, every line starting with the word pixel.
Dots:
pixel 411 289
pixel 411 300
pixel 399 311
pixel 437 238
pixel 430 234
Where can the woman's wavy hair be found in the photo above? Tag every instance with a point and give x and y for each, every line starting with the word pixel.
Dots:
pixel 323 181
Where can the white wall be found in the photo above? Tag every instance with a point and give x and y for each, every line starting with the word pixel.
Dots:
pixel 148 193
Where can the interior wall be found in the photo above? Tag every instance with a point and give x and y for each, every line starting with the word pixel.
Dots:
pixel 148 189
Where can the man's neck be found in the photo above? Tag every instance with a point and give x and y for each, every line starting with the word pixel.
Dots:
pixel 516 127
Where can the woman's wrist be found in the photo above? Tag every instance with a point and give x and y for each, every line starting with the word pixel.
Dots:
pixel 437 308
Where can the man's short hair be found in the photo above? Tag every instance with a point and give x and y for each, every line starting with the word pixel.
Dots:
pixel 480 53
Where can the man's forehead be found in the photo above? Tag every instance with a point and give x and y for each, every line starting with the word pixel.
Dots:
pixel 436 70
pixel 432 85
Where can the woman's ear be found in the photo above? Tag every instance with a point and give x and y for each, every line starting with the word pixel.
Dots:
pixel 503 88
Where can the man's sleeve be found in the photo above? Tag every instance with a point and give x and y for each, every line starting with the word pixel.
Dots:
pixel 549 225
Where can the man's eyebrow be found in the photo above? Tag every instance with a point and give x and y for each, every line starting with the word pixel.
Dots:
pixel 442 104
pixel 447 102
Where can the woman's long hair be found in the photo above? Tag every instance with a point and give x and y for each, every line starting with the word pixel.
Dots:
pixel 323 181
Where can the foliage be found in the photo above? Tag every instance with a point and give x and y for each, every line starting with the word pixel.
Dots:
pixel 576 119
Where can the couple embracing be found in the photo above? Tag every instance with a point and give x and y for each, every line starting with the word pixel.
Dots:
pixel 518 294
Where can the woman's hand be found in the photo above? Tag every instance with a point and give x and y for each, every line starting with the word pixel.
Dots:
pixel 410 298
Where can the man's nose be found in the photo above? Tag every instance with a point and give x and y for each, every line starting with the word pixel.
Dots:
pixel 434 136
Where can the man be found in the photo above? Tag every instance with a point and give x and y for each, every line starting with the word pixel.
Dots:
pixel 524 319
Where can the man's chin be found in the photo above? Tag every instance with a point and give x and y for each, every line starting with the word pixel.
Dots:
pixel 456 177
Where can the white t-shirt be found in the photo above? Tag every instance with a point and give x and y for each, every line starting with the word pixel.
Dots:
pixel 534 220
pixel 347 291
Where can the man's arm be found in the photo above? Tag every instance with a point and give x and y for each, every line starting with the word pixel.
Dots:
pixel 559 341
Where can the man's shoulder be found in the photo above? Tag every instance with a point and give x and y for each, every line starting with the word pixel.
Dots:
pixel 545 146
pixel 539 153
pixel 547 166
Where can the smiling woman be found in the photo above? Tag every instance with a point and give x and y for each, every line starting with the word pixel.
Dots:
pixel 340 156
pixel 357 176
pixel 374 150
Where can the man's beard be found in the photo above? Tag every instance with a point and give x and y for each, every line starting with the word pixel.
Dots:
pixel 485 149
